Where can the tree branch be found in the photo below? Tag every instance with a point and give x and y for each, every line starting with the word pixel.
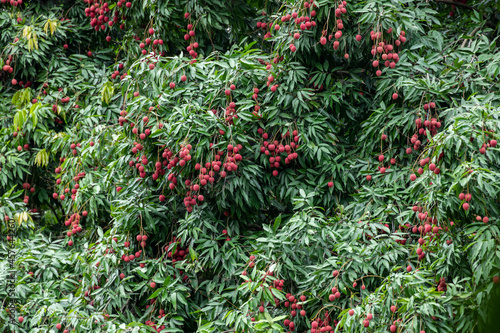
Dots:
pixel 472 35
pixel 55 213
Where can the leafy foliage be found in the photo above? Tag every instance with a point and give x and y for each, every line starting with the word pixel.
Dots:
pixel 251 166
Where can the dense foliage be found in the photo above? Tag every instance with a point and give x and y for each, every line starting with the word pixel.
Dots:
pixel 251 166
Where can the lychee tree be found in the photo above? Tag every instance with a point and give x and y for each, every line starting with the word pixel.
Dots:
pixel 250 166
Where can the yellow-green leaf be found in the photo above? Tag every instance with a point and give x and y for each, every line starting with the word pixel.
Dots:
pixel 21 217
pixel 42 158
pixel 52 25
pixel 108 91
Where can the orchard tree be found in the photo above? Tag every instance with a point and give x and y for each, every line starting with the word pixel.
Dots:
pixel 250 165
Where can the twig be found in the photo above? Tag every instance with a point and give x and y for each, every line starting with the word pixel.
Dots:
pixel 472 35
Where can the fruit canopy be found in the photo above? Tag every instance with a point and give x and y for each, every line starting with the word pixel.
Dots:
pixel 250 166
